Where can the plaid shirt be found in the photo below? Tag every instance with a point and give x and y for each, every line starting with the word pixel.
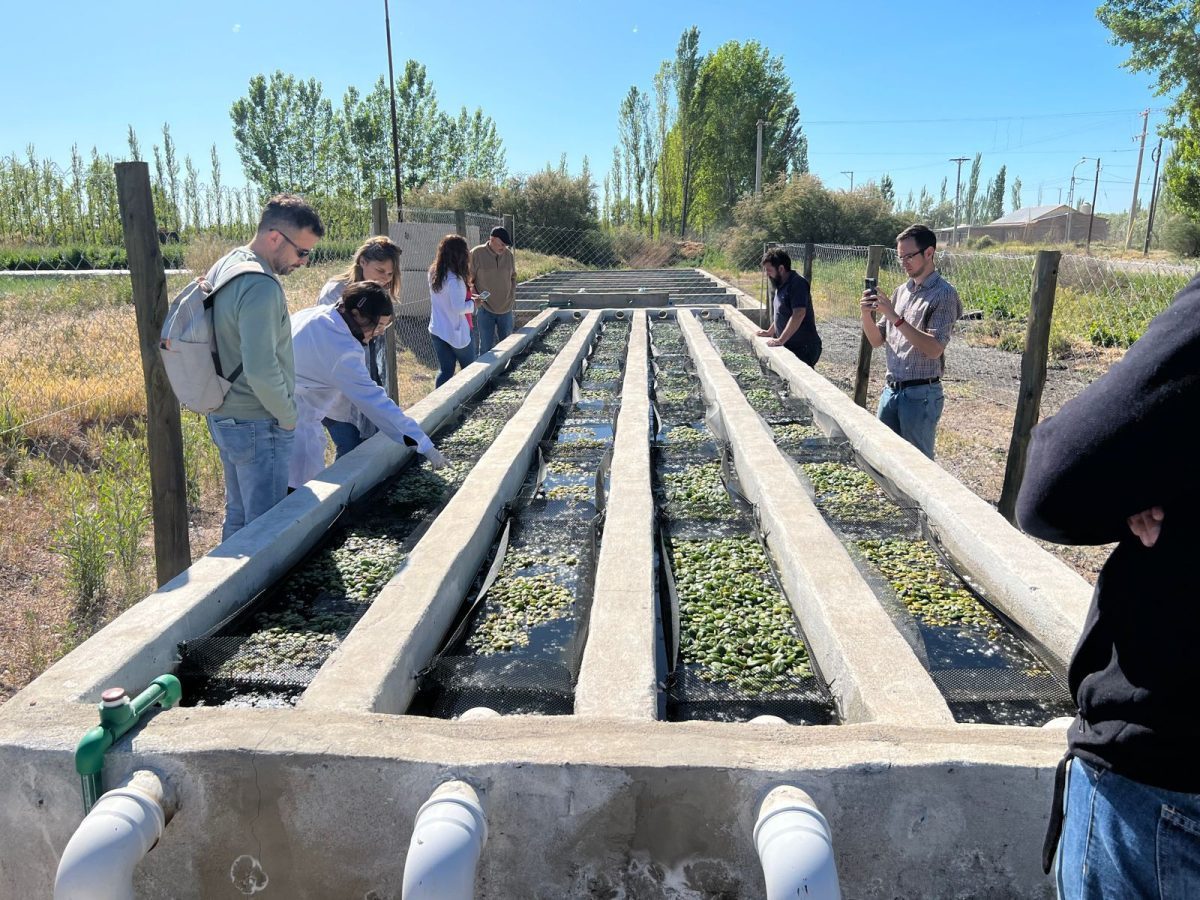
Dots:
pixel 932 306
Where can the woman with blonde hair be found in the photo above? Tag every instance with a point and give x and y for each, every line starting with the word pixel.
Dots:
pixel 449 305
pixel 377 260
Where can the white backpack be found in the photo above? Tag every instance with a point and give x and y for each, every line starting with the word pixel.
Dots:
pixel 188 342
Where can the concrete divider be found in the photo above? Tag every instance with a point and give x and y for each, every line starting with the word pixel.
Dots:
pixel 374 668
pixel 871 670
pixel 142 642
pixel 1042 595
pixel 617 676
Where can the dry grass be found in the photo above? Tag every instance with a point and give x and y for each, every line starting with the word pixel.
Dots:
pixel 71 383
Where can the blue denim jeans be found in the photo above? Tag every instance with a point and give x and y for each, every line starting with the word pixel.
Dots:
pixel 345 435
pixel 447 356
pixel 492 328
pixel 254 455
pixel 913 413
pixel 1125 839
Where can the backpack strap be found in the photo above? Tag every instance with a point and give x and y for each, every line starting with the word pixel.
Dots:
pixel 247 267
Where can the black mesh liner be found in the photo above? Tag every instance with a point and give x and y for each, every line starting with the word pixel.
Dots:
pixel 503 654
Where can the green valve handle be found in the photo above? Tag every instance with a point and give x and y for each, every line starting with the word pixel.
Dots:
pixel 118 714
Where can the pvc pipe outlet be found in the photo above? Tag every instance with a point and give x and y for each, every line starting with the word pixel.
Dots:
pixel 476 713
pixel 768 720
pixel 1063 722
pixel 122 827
pixel 795 847
pixel 448 837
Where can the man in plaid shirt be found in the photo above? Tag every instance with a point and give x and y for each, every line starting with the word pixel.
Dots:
pixel 916 325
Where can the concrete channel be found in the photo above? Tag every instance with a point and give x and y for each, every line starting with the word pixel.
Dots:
pixel 318 799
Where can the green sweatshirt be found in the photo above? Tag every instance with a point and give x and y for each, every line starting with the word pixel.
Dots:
pixel 250 316
pixel 496 273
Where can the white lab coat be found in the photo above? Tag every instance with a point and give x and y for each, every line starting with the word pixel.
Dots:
pixel 330 368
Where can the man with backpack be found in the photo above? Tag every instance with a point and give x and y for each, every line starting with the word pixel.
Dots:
pixel 253 427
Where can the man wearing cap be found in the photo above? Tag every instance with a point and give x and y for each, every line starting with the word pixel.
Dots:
pixel 916 325
pixel 493 269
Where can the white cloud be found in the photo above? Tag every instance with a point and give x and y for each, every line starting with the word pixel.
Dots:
pixel 237 27
pixel 635 29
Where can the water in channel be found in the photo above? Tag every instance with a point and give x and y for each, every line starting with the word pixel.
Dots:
pixel 270 651
pixel 980 663
pixel 518 642
pixel 733 647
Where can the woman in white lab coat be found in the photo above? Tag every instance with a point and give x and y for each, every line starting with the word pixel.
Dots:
pixel 328 343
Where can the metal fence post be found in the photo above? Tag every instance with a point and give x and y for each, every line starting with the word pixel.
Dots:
pixel 379 225
pixel 862 376
pixel 1033 377
pixel 164 430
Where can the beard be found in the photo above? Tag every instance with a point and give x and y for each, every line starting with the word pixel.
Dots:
pixel 776 280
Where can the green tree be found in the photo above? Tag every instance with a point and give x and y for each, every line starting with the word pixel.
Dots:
pixel 689 112
pixel 285 135
pixel 1015 196
pixel 995 204
pixel 1163 36
pixel 887 191
pixel 973 188
pixel 631 125
pixel 742 84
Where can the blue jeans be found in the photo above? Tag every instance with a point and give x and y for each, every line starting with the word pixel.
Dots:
pixel 913 413
pixel 447 356
pixel 1125 839
pixel 254 455
pixel 492 327
pixel 346 435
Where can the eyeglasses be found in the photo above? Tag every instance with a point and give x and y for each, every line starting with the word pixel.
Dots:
pixel 300 251
pixel 905 257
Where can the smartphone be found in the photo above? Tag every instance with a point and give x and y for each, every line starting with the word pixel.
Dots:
pixel 872 285
pixel 483 295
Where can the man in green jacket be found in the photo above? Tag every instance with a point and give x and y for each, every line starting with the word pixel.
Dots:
pixel 493 269
pixel 253 428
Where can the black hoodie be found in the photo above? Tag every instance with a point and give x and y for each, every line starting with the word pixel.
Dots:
pixel 1129 442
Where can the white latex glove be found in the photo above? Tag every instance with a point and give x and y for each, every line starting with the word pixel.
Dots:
pixel 436 459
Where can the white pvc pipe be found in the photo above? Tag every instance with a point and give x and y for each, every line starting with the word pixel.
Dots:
pixel 795 847
pixel 448 836
pixel 122 827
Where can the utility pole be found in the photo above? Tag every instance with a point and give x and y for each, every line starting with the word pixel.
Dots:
pixel 1136 178
pixel 1156 155
pixel 758 162
pixel 1092 211
pixel 851 174
pixel 387 20
pixel 957 190
pixel 1071 197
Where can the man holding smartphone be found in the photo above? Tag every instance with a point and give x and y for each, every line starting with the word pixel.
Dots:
pixel 916 325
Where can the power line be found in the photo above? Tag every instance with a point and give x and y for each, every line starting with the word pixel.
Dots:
pixel 861 122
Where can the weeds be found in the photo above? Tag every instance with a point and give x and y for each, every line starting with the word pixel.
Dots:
pixel 81 540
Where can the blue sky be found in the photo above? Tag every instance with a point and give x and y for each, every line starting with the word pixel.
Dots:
pixel 881 87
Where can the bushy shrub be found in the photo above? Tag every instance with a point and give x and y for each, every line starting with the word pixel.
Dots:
pixel 983 242
pixel 1181 235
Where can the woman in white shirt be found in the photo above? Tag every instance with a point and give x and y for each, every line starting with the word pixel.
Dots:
pixel 376 260
pixel 328 342
pixel 449 305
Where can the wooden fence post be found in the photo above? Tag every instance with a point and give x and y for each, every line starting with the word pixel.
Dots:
pixel 164 431
pixel 460 222
pixel 1033 377
pixel 809 254
pixel 510 225
pixel 379 225
pixel 862 376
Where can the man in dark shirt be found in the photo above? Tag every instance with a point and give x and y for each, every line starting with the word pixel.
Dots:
pixel 795 326
pixel 1117 463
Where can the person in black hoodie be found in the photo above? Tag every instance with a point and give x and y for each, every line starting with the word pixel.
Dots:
pixel 1118 463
